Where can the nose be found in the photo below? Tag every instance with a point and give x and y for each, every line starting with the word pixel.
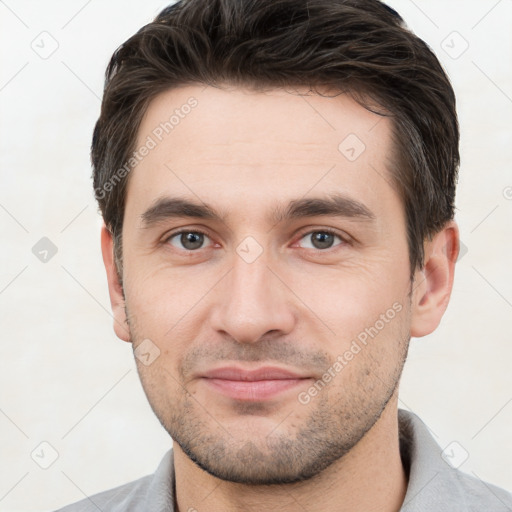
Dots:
pixel 252 301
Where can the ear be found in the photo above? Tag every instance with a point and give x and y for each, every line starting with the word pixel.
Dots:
pixel 115 289
pixel 433 284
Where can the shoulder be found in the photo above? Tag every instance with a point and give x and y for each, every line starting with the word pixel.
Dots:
pixel 153 493
pixel 434 484
pixel 479 495
pixel 126 497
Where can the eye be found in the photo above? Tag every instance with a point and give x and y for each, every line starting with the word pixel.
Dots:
pixel 188 240
pixel 321 239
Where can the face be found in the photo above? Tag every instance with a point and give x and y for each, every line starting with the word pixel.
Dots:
pixel 266 277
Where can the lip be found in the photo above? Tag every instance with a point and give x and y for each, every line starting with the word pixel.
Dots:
pixel 252 385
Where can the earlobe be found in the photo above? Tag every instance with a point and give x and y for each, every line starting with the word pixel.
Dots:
pixel 433 284
pixel 115 288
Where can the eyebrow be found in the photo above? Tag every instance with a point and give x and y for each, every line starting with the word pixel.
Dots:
pixel 337 205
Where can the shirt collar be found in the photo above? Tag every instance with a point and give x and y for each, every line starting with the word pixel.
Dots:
pixel 432 482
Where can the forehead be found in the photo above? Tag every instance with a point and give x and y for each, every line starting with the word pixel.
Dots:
pixel 244 148
pixel 231 115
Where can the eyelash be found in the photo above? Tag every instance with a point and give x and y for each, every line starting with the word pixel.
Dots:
pixel 344 239
pixel 195 231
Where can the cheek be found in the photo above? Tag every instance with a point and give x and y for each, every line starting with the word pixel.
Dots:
pixel 347 299
pixel 162 386
pixel 166 300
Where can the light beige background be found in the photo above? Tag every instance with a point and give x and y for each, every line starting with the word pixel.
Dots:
pixel 67 381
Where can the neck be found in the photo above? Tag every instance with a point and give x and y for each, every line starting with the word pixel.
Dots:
pixel 368 478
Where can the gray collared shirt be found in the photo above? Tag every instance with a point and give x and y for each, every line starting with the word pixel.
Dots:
pixel 434 486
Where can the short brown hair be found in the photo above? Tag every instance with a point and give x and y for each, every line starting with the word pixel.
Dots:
pixel 361 47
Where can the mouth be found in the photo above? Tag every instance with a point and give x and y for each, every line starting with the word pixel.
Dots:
pixel 252 385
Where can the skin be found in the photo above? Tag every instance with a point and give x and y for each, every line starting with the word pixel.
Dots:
pixel 296 306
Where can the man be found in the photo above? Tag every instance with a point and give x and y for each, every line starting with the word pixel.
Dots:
pixel 277 182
